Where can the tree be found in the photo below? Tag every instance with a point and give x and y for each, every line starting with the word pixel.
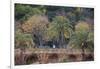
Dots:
pixel 23 41
pixel 81 37
pixel 90 41
pixel 23 12
pixel 59 26
pixel 36 25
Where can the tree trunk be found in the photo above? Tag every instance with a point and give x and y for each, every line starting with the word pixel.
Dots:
pixel 83 55
pixel 62 39
pixel 83 52
pixel 40 41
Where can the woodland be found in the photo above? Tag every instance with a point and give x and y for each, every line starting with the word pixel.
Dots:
pixel 49 28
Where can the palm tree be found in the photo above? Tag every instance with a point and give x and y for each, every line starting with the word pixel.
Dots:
pixel 81 38
pixel 61 25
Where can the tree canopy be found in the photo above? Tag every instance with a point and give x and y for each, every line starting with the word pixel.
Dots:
pixel 55 25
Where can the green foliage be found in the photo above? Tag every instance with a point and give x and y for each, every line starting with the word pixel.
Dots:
pixel 82 35
pixel 78 38
pixel 63 24
pixel 23 40
pixel 51 32
pixel 59 29
pixel 23 12
pixel 90 41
